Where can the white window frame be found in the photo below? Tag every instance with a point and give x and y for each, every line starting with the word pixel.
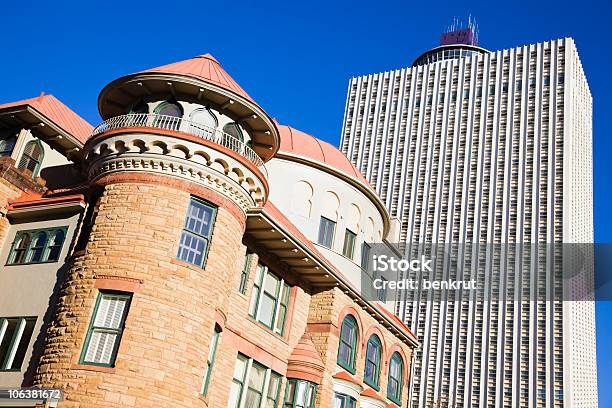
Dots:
pixel 245 383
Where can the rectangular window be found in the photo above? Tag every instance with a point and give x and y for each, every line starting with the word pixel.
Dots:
pixel 382 292
pixel 211 360
pixel 244 278
pixel 327 229
pixel 269 300
pixel 348 249
pixel 300 394
pixel 365 256
pixel 15 335
pixel 196 233
pixel 105 329
pixel 37 246
pixel 344 401
pixel 253 385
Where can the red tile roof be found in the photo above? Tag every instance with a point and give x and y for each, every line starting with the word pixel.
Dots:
pixel 305 361
pixel 58 113
pixel 206 68
pixel 29 199
pixel 302 144
pixel 369 392
pixel 343 375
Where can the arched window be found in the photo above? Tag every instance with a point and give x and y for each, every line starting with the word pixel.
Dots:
pixel 372 362
pixel 233 130
pixel 169 109
pixel 170 114
pixel 20 249
pixel 55 246
pixel 203 120
pixel 396 375
pixel 38 247
pixel 140 107
pixel 347 350
pixel 32 157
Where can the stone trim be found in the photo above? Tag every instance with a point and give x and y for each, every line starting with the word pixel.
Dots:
pixel 184 136
pixel 198 191
pixel 100 369
pixel 350 310
pixel 120 283
pixel 375 330
pixel 189 160
pixel 233 338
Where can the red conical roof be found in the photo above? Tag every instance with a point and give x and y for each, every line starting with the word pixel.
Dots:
pixel 305 363
pixel 206 68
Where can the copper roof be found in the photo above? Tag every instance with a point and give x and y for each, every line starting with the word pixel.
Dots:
pixel 305 361
pixel 58 113
pixel 302 144
pixel 206 68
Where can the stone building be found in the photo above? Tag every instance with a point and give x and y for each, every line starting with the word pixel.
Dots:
pixel 190 251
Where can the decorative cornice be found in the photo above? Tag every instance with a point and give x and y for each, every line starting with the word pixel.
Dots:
pixel 158 154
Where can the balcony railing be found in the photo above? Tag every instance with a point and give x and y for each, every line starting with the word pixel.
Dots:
pixel 152 120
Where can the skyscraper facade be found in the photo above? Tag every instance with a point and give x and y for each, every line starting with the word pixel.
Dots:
pixel 473 146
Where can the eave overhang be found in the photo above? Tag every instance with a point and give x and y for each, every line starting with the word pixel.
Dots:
pixel 302 258
pixel 28 117
pixel 125 91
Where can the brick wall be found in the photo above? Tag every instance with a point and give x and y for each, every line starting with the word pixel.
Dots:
pixel 162 355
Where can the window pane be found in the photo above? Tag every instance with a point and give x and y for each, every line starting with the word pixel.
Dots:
pixel 234 397
pixel 205 118
pixel 106 327
pixel 266 310
pixel 192 248
pixel 101 346
pixel 290 393
pixel 110 311
pixel 38 247
pixel 252 399
pixel 365 256
pixel 170 109
pixel 254 300
pixel 233 130
pixel 239 368
pixel 199 218
pixel 348 249
pixel 273 390
pixel 257 376
pixel 55 245
pixel 326 232
pixel 21 248
pixel 24 342
pixel 271 284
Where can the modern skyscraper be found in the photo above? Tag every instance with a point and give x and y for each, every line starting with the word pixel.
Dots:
pixel 473 146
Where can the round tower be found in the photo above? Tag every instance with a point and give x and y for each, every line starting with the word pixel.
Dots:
pixel 178 161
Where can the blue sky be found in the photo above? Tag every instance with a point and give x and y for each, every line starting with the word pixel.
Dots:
pixel 295 60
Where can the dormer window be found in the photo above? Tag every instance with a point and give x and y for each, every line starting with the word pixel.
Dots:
pixel 32 157
pixel 233 129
